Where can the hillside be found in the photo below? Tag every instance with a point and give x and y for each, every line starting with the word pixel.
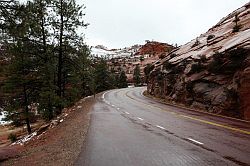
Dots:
pixel 102 51
pixel 211 72
pixel 128 58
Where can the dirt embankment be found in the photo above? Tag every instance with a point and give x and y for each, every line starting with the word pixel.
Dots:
pixel 60 145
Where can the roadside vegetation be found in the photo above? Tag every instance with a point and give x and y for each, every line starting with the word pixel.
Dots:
pixel 45 65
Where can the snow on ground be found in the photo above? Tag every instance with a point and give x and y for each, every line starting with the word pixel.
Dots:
pixel 25 139
pixel 2 117
pixel 101 51
pixel 223 37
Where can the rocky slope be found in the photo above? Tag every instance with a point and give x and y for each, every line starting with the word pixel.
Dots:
pixel 211 72
pixel 154 48
pixel 102 51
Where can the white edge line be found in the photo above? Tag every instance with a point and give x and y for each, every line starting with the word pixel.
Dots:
pixel 195 141
pixel 142 93
pixel 160 127
pixel 127 113
pixel 139 118
pixel 103 95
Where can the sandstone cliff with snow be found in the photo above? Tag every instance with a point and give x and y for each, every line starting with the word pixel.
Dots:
pixel 211 72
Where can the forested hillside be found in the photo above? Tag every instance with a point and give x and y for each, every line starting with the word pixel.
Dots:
pixel 45 63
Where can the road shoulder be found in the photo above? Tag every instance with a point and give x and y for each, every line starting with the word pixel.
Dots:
pixel 60 145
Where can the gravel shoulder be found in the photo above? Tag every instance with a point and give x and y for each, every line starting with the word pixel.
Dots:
pixel 60 145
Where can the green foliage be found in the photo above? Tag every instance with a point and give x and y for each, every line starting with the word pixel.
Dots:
pixel 196 68
pixel 102 77
pixel 197 42
pixel 203 58
pixel 137 76
pixel 52 74
pixel 12 137
pixel 122 83
pixel 141 58
pixel 147 71
pixel 167 65
pixel 215 65
pixel 236 27
pixel 210 37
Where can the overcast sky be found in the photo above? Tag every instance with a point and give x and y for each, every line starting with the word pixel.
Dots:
pixel 121 23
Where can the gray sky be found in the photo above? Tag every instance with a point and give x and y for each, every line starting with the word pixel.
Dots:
pixel 121 23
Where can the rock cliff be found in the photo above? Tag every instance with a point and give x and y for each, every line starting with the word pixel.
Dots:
pixel 211 72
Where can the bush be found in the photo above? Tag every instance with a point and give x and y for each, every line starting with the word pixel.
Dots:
pixel 236 28
pixel 215 65
pixel 197 42
pixel 196 68
pixel 12 137
pixel 167 65
pixel 203 58
pixel 210 37
pixel 173 55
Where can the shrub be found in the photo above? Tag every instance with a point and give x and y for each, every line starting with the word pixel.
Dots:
pixel 215 65
pixel 203 58
pixel 210 37
pixel 12 137
pixel 167 65
pixel 236 28
pixel 173 55
pixel 196 68
pixel 197 42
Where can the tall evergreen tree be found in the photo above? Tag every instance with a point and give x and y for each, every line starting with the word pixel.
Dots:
pixel 122 80
pixel 137 76
pixel 22 76
pixel 65 25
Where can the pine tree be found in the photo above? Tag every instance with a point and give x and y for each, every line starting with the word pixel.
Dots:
pixel 68 21
pixel 23 74
pixel 51 66
pixel 102 76
pixel 147 71
pixel 122 80
pixel 137 76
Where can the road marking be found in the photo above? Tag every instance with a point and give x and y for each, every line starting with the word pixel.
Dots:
pixel 117 108
pixel 160 127
pixel 200 143
pixel 103 95
pixel 127 113
pixel 192 118
pixel 216 124
pixel 139 118
pixel 113 105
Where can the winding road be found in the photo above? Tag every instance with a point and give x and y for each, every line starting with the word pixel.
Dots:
pixel 129 129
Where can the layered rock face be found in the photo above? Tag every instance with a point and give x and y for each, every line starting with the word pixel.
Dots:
pixel 156 49
pixel 211 72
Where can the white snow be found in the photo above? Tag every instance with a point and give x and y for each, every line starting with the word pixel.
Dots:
pixel 25 139
pixel 224 38
pixel 3 115
pixel 101 51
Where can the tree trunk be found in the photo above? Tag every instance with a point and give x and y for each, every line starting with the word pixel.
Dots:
pixel 60 58
pixel 26 111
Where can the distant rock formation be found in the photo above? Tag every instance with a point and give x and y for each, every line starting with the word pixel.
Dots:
pixel 154 48
pixel 211 72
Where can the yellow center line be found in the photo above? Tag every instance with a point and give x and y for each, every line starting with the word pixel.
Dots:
pixel 192 118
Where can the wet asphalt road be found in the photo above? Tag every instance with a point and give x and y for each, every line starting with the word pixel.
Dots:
pixel 128 129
